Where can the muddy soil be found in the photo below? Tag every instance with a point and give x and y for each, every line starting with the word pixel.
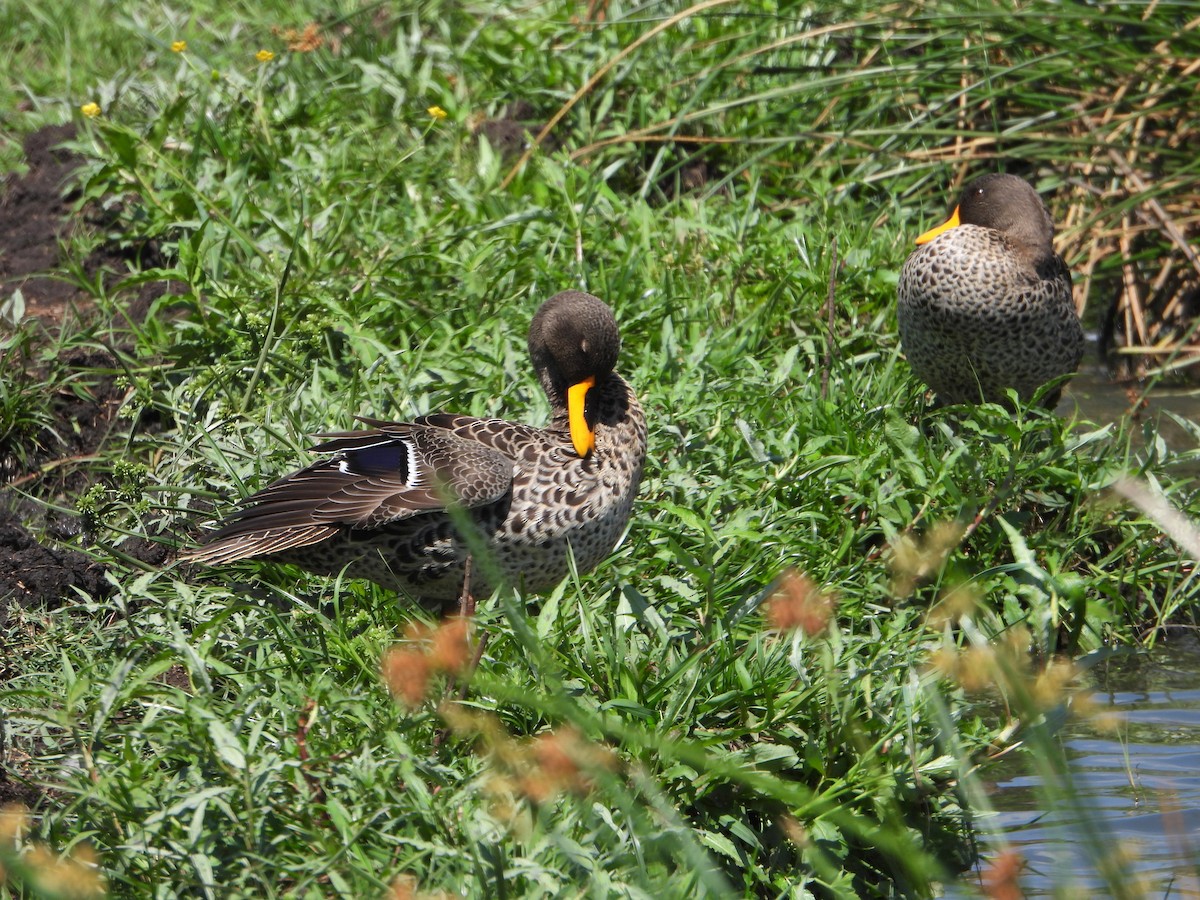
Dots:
pixel 39 213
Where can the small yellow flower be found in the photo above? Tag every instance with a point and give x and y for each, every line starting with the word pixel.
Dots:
pixel 264 56
pixel 178 46
pixel 91 110
pixel 437 112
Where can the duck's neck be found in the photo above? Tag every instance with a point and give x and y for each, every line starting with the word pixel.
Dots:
pixel 608 403
pixel 1033 233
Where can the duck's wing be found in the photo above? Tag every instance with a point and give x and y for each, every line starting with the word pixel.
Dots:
pixel 513 440
pixel 371 479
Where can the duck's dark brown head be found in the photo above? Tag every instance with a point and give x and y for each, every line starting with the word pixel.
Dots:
pixel 574 342
pixel 1006 204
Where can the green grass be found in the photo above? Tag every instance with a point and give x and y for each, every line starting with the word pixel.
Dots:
pixel 338 252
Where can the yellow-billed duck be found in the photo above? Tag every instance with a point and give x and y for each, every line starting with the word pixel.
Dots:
pixel 985 302
pixel 378 506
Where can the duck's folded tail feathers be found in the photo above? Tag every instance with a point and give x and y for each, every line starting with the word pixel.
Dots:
pixel 236 541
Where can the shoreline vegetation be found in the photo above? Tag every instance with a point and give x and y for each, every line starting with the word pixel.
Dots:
pixel 834 606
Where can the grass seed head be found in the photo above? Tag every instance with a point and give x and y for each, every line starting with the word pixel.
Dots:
pixel 13 819
pixel 973 668
pixel 407 670
pixel 405 887
pixel 1052 684
pixel 466 722
pixel 450 651
pixel 1105 720
pixel 406 673
pixel 798 603
pixel 304 41
pixel 1017 642
pixel 954 605
pixel 916 558
pixel 793 830
pixel 75 875
pixel 560 762
pixel 1001 877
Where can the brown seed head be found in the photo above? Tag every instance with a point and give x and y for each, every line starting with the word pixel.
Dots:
pixel 13 819
pixel 916 558
pixel 406 674
pixel 956 603
pixel 561 761
pixel 798 603
pixel 302 41
pixel 793 830
pixel 974 668
pixel 1001 878
pixel 405 887
pixel 450 652
pixel 1050 687
pixel 74 875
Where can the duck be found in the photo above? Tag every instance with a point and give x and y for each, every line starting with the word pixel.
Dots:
pixel 390 503
pixel 985 303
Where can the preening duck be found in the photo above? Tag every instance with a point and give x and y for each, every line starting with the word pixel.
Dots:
pixel 379 505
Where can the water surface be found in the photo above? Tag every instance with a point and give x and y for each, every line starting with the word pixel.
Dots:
pixel 1091 395
pixel 1138 786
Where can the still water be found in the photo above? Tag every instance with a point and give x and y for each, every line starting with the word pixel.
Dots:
pixel 1092 396
pixel 1138 782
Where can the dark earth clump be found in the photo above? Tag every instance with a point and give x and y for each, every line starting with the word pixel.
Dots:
pixel 40 214
pixel 81 420
pixel 30 571
pixel 14 792
pixel 34 215
pixel 511 132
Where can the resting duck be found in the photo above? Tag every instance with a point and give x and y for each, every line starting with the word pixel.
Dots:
pixel 985 302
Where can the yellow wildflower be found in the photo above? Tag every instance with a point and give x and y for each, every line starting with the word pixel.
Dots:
pixel 91 110
pixel 264 56
pixel 178 46
pixel 437 112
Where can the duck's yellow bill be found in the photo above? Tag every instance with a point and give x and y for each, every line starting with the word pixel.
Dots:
pixel 582 435
pixel 952 222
